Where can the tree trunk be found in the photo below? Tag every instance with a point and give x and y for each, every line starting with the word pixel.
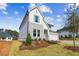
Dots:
pixel 74 40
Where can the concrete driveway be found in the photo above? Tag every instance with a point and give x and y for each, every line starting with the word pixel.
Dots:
pixel 70 42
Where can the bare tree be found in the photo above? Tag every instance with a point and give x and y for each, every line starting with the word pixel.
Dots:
pixel 72 24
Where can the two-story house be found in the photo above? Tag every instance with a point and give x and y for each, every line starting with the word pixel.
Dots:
pixel 34 23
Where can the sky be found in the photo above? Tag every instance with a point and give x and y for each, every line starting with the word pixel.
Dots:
pixel 11 14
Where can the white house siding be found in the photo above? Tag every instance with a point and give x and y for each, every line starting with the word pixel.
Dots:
pixel 23 32
pixel 53 36
pixel 36 12
pixel 33 26
pixel 41 25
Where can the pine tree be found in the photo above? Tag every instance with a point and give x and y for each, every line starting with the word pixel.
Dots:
pixel 28 40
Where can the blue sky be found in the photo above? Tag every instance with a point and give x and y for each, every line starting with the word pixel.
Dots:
pixel 11 14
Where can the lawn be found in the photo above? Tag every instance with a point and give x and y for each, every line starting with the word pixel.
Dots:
pixel 70 44
pixel 52 50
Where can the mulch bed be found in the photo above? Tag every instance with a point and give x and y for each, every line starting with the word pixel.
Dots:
pixel 75 49
pixel 4 48
pixel 35 44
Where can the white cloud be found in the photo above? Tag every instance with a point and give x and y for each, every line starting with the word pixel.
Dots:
pixel 77 4
pixel 42 7
pixel 3 6
pixel 70 6
pixel 65 10
pixel 58 16
pixel 45 8
pixel 49 19
pixel 4 12
pixel 16 13
pixel 59 20
pixel 64 16
pixel 31 6
pixel 9 17
pixel 18 18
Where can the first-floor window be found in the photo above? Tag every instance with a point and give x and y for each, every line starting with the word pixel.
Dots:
pixel 38 33
pixel 34 32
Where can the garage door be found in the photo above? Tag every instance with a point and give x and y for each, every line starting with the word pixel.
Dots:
pixel 53 37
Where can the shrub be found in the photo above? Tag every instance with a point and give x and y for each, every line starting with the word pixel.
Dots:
pixel 28 40
pixel 70 36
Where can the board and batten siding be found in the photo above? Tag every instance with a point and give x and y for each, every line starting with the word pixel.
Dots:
pixel 53 36
pixel 23 32
pixel 33 26
pixel 41 25
pixel 41 18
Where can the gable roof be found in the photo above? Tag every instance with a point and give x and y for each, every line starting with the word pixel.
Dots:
pixel 41 15
pixel 27 13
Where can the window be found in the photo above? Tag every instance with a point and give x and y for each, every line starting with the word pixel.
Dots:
pixel 36 18
pixel 34 32
pixel 38 33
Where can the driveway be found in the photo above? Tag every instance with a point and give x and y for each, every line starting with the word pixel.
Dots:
pixel 70 42
pixel 4 48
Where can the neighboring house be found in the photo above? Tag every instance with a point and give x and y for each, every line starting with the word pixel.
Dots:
pixel 64 33
pixel 34 23
pixel 5 35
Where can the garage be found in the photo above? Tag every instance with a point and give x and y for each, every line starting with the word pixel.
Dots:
pixel 53 36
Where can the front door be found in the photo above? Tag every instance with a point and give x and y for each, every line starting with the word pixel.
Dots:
pixel 46 34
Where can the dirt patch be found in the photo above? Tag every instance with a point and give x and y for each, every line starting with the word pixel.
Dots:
pixel 35 44
pixel 75 49
pixel 4 48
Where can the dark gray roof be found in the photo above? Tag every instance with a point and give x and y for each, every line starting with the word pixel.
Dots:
pixel 52 31
pixel 4 34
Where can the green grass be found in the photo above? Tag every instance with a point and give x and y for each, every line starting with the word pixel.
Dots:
pixel 68 44
pixel 52 50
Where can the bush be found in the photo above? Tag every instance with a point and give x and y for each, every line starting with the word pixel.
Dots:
pixel 70 36
pixel 28 40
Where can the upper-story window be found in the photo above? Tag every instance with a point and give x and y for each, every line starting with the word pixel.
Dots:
pixel 36 19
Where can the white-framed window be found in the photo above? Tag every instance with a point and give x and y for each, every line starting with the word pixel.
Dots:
pixel 36 18
pixel 34 32
pixel 38 31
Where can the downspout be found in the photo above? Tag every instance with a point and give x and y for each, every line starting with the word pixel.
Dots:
pixel 28 24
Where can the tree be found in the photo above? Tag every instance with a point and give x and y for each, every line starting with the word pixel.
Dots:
pixel 70 36
pixel 28 40
pixel 72 22
pixel 14 34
